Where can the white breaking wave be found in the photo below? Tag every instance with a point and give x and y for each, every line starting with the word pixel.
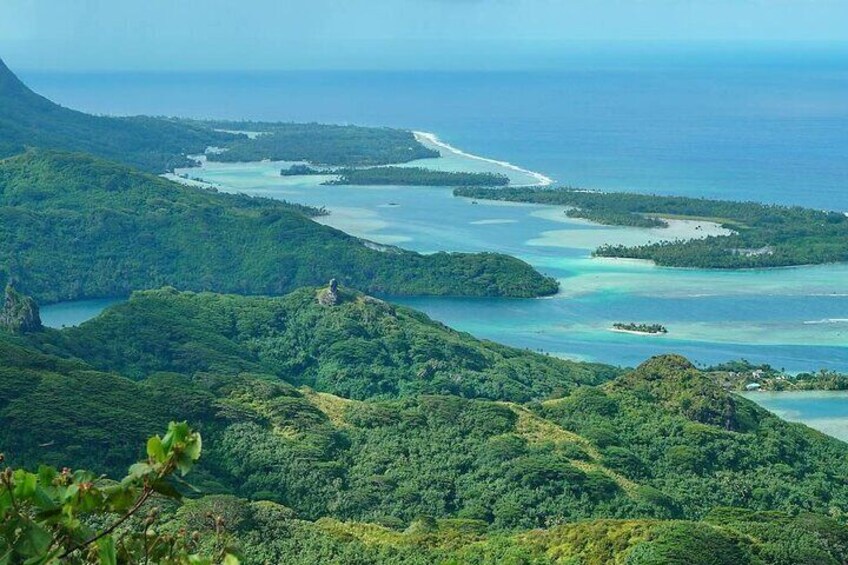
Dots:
pixel 433 139
pixel 828 321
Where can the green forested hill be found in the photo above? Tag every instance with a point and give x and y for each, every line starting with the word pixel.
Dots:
pixel 422 478
pixel 73 226
pixel 661 441
pixel 159 144
pixel 269 533
pixel 338 428
pixel 152 144
pixel 359 348
pixel 637 469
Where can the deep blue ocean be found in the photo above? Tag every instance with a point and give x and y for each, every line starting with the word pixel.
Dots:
pixel 771 127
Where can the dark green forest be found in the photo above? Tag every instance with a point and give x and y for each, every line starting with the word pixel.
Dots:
pixel 74 226
pixel 414 176
pixel 344 146
pixel 417 469
pixel 301 170
pixel 150 144
pixel 157 145
pixel 764 235
pixel 361 348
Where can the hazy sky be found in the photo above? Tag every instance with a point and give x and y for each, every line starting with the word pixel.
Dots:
pixel 297 34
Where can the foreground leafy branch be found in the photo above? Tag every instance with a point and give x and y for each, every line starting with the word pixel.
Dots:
pixel 48 516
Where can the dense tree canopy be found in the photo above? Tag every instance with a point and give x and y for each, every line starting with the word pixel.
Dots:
pixel 763 235
pixel 663 441
pixel 347 146
pixel 160 144
pixel 378 469
pixel 414 176
pixel 72 226
pixel 339 428
pixel 359 348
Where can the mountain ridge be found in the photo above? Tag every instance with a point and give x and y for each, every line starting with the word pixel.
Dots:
pixel 28 119
pixel 75 226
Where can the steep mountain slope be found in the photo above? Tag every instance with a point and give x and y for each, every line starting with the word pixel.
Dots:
pixel 152 144
pixel 670 426
pixel 159 144
pixel 73 226
pixel 638 470
pixel 663 441
pixel 358 348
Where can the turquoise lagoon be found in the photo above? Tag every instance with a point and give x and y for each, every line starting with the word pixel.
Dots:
pixel 826 411
pixel 67 314
pixel 793 318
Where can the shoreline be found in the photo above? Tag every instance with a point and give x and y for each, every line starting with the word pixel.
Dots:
pixel 432 138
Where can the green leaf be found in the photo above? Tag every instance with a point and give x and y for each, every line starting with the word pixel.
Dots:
pixel 177 433
pixel 166 489
pixel 46 475
pixel 42 499
pixel 89 500
pixel 106 551
pixel 83 476
pixel 184 464
pixel 5 502
pixel 230 559
pixel 34 540
pixel 71 491
pixel 120 499
pixel 194 447
pixel 139 471
pixel 25 484
pixel 155 450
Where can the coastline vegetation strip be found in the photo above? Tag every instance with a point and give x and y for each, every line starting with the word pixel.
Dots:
pixel 319 144
pixel 159 145
pixel 413 176
pixel 633 327
pixel 764 235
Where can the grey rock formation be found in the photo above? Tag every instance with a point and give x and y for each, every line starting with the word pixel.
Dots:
pixel 19 313
pixel 330 295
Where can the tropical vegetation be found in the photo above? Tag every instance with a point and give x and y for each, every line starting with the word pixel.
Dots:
pixel 465 453
pixel 319 144
pixel 640 328
pixel 414 176
pixel 763 235
pixel 158 145
pixel 73 226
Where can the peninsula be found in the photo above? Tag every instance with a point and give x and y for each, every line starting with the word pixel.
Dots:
pixel 130 230
pixel 763 235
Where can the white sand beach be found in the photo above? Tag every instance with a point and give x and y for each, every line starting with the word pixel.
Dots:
pixel 433 139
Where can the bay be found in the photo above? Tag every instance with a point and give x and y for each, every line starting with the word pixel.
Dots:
pixel 770 128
